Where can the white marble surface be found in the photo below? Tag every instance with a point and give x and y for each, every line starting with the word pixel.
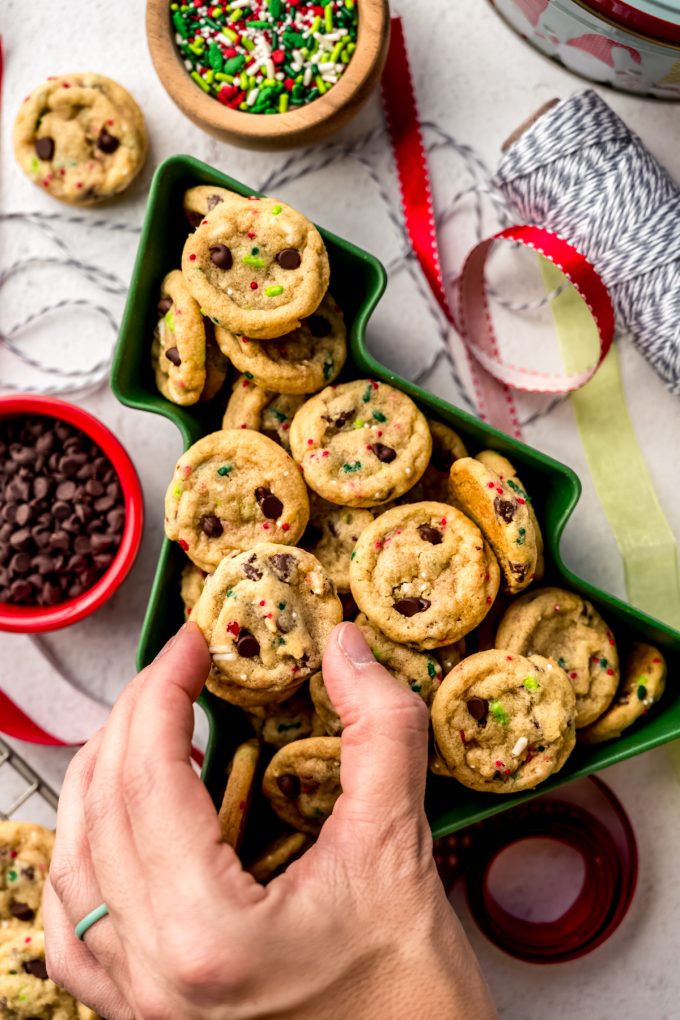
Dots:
pixel 478 81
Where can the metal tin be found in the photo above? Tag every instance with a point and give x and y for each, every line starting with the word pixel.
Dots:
pixel 358 283
pixel 632 46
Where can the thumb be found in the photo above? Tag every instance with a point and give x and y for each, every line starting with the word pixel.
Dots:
pixel 384 738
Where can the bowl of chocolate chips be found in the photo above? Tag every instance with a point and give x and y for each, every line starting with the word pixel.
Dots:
pixel 71 513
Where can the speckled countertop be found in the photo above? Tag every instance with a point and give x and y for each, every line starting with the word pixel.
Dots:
pixel 478 82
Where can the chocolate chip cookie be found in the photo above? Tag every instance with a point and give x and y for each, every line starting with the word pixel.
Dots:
pixel 302 361
pixel 503 517
pixel 302 782
pixel 643 681
pixel 179 343
pixel 325 709
pixel 251 407
pixel 237 795
pixel 282 851
pixel 331 535
pixel 361 443
pixel 230 490
pixel 26 992
pixel 266 615
pixel 447 446
pixel 25 852
pixel 561 625
pixel 81 137
pixel 292 719
pixel 423 574
pixel 506 472
pixel 256 267
pixel 503 722
pixel 191 586
pixel 197 202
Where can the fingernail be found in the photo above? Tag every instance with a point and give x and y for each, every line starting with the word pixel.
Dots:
pixel 169 643
pixel 353 644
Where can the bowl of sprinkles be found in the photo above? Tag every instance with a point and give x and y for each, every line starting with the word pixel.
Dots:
pixel 268 73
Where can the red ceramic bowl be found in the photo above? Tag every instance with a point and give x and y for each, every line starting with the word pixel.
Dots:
pixel 29 619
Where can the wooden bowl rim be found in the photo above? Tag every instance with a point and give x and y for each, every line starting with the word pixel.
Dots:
pixel 190 98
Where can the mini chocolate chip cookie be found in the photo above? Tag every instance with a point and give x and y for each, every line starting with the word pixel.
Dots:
pixel 361 443
pixel 302 781
pixel 191 586
pixel 561 625
pixel 197 202
pixel 179 343
pixel 292 719
pixel 506 472
pixel 423 574
pixel 447 446
pixel 301 361
pixel 325 709
pixel 81 137
pixel 237 795
pixel 231 489
pixel 26 992
pixel 643 681
pixel 503 517
pixel 331 535
pixel 25 852
pixel 281 852
pixel 256 267
pixel 266 615
pixel 251 407
pixel 450 655
pixel 502 722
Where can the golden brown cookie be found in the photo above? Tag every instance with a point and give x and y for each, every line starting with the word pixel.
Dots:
pixel 237 795
pixel 191 586
pixel 278 854
pixel 423 574
pixel 198 201
pixel 643 681
pixel 332 534
pixel 447 446
pixel 25 853
pixel 26 992
pixel 561 625
pixel 502 722
pixel 283 722
pixel 506 472
pixel 81 137
pixel 302 782
pixel 251 407
pixel 179 343
pixel 325 709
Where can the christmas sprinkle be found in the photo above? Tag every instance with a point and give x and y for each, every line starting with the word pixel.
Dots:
pixel 265 56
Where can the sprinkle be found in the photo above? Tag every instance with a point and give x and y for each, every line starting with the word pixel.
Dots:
pixel 192 258
pixel 183 545
pixel 367 394
pixel 642 691
pixel 531 683
pixel 273 291
pixel 610 672
pixel 520 746
pixel 379 416
pixel 350 468
pixel 253 260
pixel 225 470
pixel 276 210
pixel 499 713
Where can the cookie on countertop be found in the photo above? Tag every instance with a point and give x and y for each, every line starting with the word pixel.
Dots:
pixel 26 992
pixel 502 516
pixel 331 535
pixel 302 782
pixel 561 625
pixel 251 407
pixel 361 443
pixel 266 615
pixel 506 472
pixel 256 266
pixel 423 574
pixel 198 201
pixel 643 681
pixel 301 361
pixel 281 852
pixel 25 852
pixel 81 137
pixel 503 722
pixel 292 719
pixel 230 490
pixel 238 792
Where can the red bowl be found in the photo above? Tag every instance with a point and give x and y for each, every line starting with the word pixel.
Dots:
pixel 30 619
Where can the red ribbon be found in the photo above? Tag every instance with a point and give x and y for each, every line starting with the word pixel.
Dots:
pixel 492 377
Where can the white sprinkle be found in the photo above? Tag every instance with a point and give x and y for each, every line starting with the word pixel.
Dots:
pixel 244 676
pixel 178 38
pixel 326 67
pixel 220 648
pixel 189 66
pixel 230 292
pixel 409 471
pixel 297 57
pixel 295 66
pixel 331 78
pixel 521 744
pixel 239 3
pixel 279 76
pixel 294 615
pixel 271 70
pixel 223 39
pixel 307 77
pixel 225 657
pixel 252 96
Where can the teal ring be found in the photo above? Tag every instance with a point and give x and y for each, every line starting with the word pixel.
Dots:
pixel 90 919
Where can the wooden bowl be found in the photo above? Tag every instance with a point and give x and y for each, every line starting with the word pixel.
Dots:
pixel 301 126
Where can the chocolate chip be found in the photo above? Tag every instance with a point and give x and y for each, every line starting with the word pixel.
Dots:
pixel 344 418
pixel 221 256
pixel 44 148
pixel 23 514
pixel 247 645
pixel 520 570
pixel 36 968
pixel 411 606
pixel 172 354
pixel 28 873
pixel 20 539
pixel 478 709
pixel 20 564
pixel 384 453
pixel 41 487
pixel 211 526
pixel 164 305
pixel 212 201
pixel 505 508
pixel 319 326
pixel 66 490
pixel 428 534
pixel 251 571
pixel 61 510
pixel 107 143
pixel 20 591
pixel 270 505
pixel 289 258
pixel 289 786
pixel 283 565
pixel 21 911
pixel 94 487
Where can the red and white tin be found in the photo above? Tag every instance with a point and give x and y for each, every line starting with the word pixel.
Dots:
pixel 632 45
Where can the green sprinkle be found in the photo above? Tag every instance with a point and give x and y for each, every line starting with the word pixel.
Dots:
pixel 522 536
pixel 641 692
pixel 316 25
pixel 284 727
pixel 353 555
pixel 603 663
pixel 234 64
pixel 247 43
pixel 499 713
pixel 517 489
pixel 283 102
pixel 377 654
pixel 229 593
pixel 327 369
pixel 12 876
pixel 328 18
pixel 281 605
pixel 275 8
pixel 170 320
pixel 531 683
pixel 379 416
pixel 273 291
pixel 180 24
pixel 358 423
pixel 235 15
pixel 279 415
pixel 431 669
pixel 276 209
pixel 35 164
pixel 177 491
pixel 254 251
pixel 249 375
pixel 253 260
pixel 215 58
pixel 415 687
pixel 367 394
pixel 232 36
pixel 199 81
pixel 562 663
pixel 351 468
pixel 225 470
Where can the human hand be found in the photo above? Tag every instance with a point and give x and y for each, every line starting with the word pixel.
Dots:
pixel 358 927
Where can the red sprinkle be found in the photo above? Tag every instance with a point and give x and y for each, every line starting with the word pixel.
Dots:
pixel 509 658
pixel 252 235
pixel 266 525
pixel 263 602
pixel 656 660
pixel 245 383
pixel 443 521
pixel 610 672
pixel 285 526
pixel 462 735
pixel 325 452
pixel 233 628
pixel 574 675
pixel 310 442
pixel 490 485
pixel 192 258
pixel 278 56
pixel 253 285
pixel 183 545
pixel 489 600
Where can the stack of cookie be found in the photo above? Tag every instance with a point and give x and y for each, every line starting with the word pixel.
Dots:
pixel 26 992
pixel 318 502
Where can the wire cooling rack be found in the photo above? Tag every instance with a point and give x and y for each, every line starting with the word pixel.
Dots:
pixel 24 791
